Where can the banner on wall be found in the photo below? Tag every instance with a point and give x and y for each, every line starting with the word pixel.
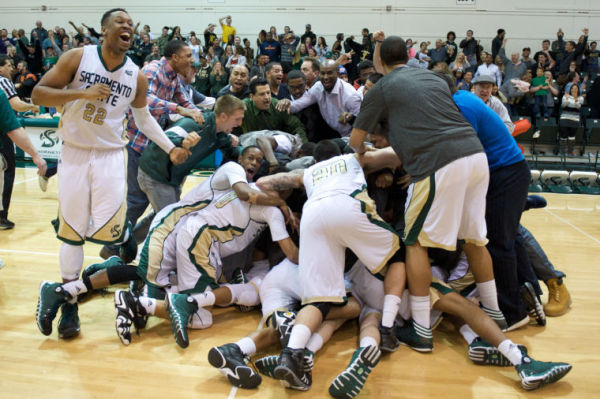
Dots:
pixel 45 140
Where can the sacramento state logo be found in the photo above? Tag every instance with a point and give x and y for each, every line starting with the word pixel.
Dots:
pixel 49 138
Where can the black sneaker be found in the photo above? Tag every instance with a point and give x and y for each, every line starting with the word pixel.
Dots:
pixel 533 304
pixel 6 224
pixel 283 322
pixel 389 341
pixel 128 311
pixel 290 370
pixel 68 324
pixel 231 362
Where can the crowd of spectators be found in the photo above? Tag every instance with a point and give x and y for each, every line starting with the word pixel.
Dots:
pixel 528 85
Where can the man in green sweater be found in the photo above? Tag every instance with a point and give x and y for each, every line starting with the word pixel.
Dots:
pixel 261 113
pixel 160 179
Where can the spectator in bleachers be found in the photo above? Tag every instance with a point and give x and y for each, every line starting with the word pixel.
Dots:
pixel 592 55
pixel 248 52
pixel 163 40
pixel 238 83
pixel 465 83
pixel 225 56
pixel 218 78
pixel 423 55
pixel 525 57
pixel 274 75
pixel 498 94
pixel 311 69
pixel 39 32
pixel 451 46
pixel 209 35
pixel 365 69
pixel 258 70
pixel 552 91
pixel 497 42
pixel 489 68
pixel 539 88
pixel 309 34
pixel 142 48
pixel 322 49
pixel 312 120
pixel 439 53
pixel 548 55
pixel 25 80
pixel 237 58
pixel 271 47
pixel 514 68
pixel 176 34
pixel 196 47
pixel 202 77
pixel 572 51
pixel 336 49
pixel 461 63
pixel 153 56
pixel 334 96
pixel 469 46
pixel 32 53
pixel 570 119
pixel 289 42
pixel 482 87
pixel 542 62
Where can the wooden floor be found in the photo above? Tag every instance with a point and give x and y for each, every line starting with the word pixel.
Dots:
pixel 97 365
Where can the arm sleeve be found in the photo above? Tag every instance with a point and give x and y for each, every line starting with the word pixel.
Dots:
pixel 502 54
pixel 353 103
pixel 147 124
pixel 228 175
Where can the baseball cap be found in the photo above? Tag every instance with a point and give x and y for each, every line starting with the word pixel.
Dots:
pixel 484 79
pixel 308 26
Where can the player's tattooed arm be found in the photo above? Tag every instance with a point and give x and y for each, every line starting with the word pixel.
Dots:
pixel 282 181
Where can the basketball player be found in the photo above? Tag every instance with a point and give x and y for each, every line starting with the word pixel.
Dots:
pixel 96 85
pixel 337 215
pixel 231 175
pixel 193 247
pixel 280 294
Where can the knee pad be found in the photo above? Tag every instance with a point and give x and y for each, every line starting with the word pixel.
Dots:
pixel 201 319
pixel 244 294
pixel 324 308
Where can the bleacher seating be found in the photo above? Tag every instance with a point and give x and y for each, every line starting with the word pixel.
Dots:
pixel 584 182
pixel 556 181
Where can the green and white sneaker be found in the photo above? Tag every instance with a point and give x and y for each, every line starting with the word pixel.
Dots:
pixel 497 316
pixel 350 381
pixel 535 374
pixel 266 365
pixel 232 363
pixel 181 308
pixel 416 336
pixel 52 296
pixel 483 353
pixel 68 324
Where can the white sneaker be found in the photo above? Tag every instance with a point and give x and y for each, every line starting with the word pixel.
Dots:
pixel 43 182
pixel 536 134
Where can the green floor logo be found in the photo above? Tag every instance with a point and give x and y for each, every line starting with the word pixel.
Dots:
pixel 49 138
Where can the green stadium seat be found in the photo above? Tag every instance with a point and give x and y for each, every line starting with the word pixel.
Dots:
pixel 556 181
pixel 584 182
pixel 534 184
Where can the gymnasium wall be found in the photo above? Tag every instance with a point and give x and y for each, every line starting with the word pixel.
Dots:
pixel 527 22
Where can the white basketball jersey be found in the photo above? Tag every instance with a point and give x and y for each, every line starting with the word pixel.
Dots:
pixel 339 175
pixel 98 124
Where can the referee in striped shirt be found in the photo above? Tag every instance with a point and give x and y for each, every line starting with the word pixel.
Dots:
pixel 6 145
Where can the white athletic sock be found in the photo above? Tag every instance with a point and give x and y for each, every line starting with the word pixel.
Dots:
pixel 71 261
pixel 205 299
pixel 247 346
pixel 75 287
pixel 368 341
pixel 243 294
pixel 488 294
pixel 299 336
pixel 315 343
pixel 468 334
pixel 511 351
pixel 421 310
pixel 149 304
pixel 391 304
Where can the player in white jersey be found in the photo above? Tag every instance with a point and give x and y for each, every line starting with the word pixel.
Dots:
pixel 337 215
pixel 96 85
pixel 230 176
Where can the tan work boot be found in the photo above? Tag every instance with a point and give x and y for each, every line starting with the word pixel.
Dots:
pixel 559 298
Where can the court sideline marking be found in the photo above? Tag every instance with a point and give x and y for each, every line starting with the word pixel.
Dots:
pixel 232 393
pixel 20 251
pixel 572 225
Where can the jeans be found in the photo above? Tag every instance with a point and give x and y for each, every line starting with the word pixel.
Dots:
pixel 544 269
pixel 505 201
pixel 539 108
pixel 137 201
pixel 159 194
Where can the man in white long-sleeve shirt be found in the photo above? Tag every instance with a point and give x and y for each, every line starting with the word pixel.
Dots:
pixel 482 87
pixel 334 96
pixel 491 69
